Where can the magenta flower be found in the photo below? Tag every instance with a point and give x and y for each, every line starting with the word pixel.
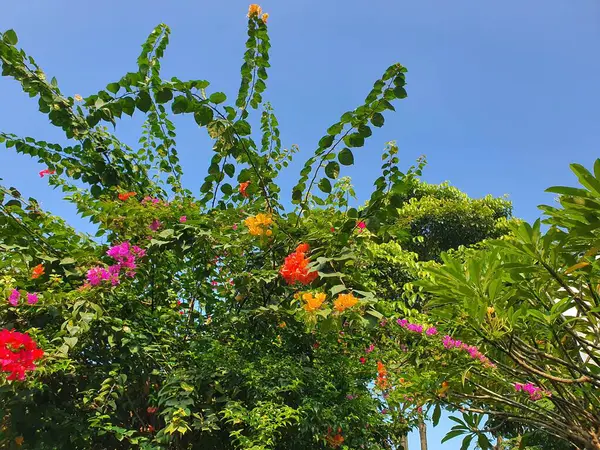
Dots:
pixel 183 219
pixel 361 225
pixel 32 299
pixel 535 393
pixel 14 297
pixel 46 172
pixel 370 348
pixel 155 225
pixel 350 397
pixel 235 227
pixel 431 331
pixel 414 328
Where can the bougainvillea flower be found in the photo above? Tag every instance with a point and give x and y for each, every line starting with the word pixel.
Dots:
pixel 382 381
pixel 535 393
pixel 303 248
pixel 242 188
pixel 370 348
pixel 254 10
pixel 258 225
pixel 18 353
pixel 295 269
pixel 313 302
pixel 361 225
pixel 14 297
pixel 155 225
pixel 362 360
pixel 265 17
pixel 32 298
pixel 344 301
pixel 77 97
pixel 37 271
pixel 183 219
pixel 431 331
pixel 46 172
pixel 126 195
pixel 336 440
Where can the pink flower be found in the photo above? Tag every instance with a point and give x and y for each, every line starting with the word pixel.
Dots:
pixel 155 225
pixel 414 328
pixel 370 348
pixel 156 201
pixel 14 297
pixel 46 172
pixel 383 323
pixel 32 299
pixel 235 227
pixel 535 393
pixel 402 322
pixel 361 225
pixel 350 397
pixel 431 331
pixel 214 283
pixel 183 219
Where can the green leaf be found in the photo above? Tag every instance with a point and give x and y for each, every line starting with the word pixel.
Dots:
pixel 452 434
pixel 144 102
pixel 66 261
pixel 332 170
pixel 377 120
pixel 467 441
pixel 10 37
pixel 229 169
pixel 326 141
pixel 113 87
pixel 164 95
pixel 437 412
pixel 180 105
pixel 96 191
pixel 203 116
pixel 346 157
pixel 217 98
pixel 337 289
pixel 400 92
pixel 325 185
pixel 354 140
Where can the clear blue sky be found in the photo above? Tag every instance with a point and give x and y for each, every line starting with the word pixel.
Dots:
pixel 502 95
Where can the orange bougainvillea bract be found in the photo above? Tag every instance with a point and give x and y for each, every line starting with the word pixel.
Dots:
pixel 18 353
pixel 254 10
pixel 313 302
pixel 336 440
pixel 243 187
pixel 258 225
pixel 382 381
pixel 126 195
pixel 344 301
pixel 37 271
pixel 295 267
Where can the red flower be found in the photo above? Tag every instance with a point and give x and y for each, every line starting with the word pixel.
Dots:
pixel 363 360
pixel 361 225
pixel 18 353
pixel 151 409
pixel 243 187
pixel 126 195
pixel 382 381
pixel 295 267
pixel 46 172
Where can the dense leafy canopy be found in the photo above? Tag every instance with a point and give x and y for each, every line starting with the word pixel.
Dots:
pixel 229 320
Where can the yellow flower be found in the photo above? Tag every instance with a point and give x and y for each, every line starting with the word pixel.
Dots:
pixel 19 440
pixel 313 302
pixel 490 310
pixel 282 325
pixel 344 301
pixel 257 225
pixel 254 10
pixel 265 17
pixel 78 97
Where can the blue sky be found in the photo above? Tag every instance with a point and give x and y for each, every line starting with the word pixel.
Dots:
pixel 502 95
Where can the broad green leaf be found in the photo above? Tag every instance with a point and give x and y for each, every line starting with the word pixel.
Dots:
pixel 346 157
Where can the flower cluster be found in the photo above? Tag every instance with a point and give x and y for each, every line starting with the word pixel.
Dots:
pixel 125 255
pixel 382 376
pixel 313 302
pixel 535 393
pixel 344 301
pixel 295 267
pixel 472 350
pixel 242 188
pixel 15 296
pixel 18 353
pixel 37 271
pixel 416 328
pixel 335 440
pixel 258 225
pixel 124 196
pixel 256 11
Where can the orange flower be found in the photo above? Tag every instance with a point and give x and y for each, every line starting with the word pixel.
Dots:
pixel 254 10
pixel 382 381
pixel 344 301
pixel 265 17
pixel 335 441
pixel 127 195
pixel 257 225
pixel 490 310
pixel 313 302
pixel 77 97
pixel 243 187
pixel 303 248
pixel 37 271
pixel 19 440
pixel 295 269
